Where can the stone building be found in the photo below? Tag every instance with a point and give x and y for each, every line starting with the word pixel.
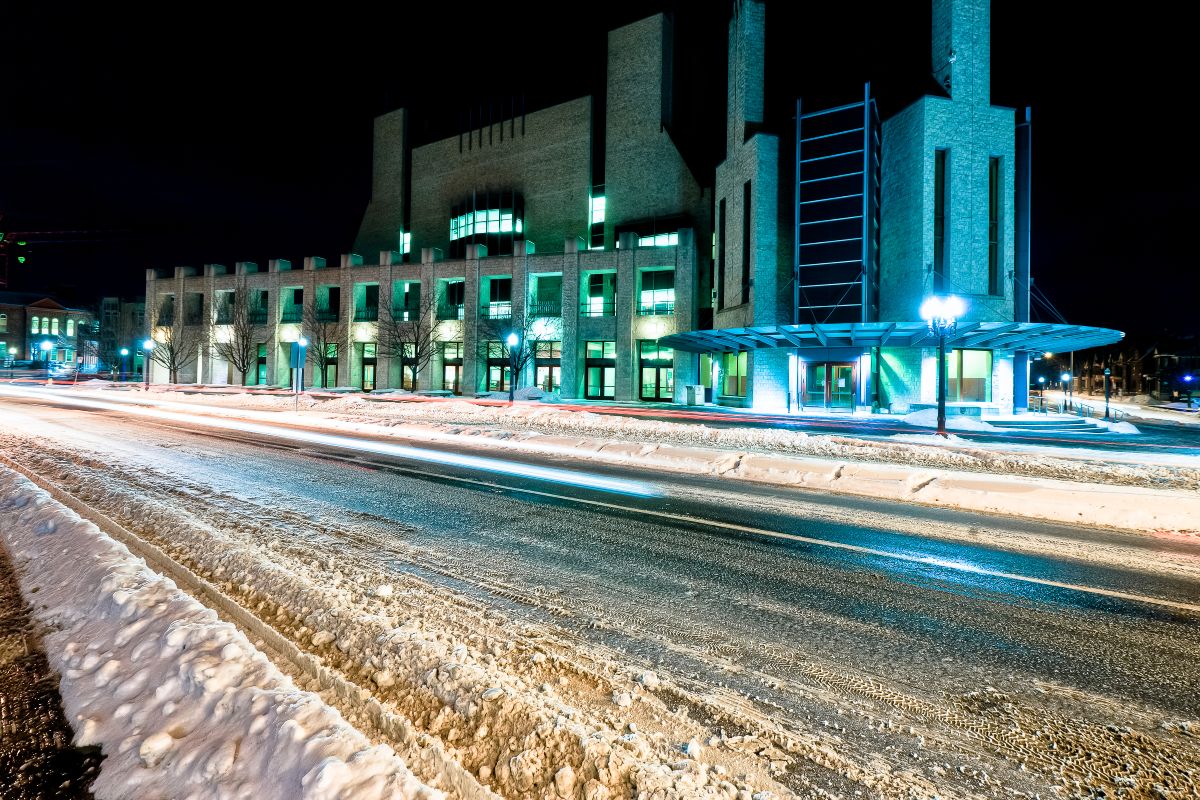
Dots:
pixel 34 327
pixel 790 275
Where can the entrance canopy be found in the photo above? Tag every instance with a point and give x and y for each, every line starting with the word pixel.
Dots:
pixel 1032 336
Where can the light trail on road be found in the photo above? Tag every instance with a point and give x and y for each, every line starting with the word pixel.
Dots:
pixel 555 475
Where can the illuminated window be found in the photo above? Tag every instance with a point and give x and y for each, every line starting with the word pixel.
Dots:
pixel 969 376
pixel 53 327
pixel 734 368
pixel 3 323
pixel 601 350
pixel 658 292
pixel 33 325
pixel 405 241
pixel 659 240
pixel 598 204
pixel 70 327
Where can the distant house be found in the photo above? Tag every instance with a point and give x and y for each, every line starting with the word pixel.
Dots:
pixel 35 327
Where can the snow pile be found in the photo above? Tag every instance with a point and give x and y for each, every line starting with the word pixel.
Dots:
pixel 528 393
pixel 182 704
pixel 927 418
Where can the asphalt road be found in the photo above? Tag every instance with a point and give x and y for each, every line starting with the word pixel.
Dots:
pixel 819 607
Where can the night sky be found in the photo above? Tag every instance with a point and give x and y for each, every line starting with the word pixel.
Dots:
pixel 214 133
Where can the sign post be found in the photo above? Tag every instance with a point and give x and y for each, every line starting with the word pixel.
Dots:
pixel 299 351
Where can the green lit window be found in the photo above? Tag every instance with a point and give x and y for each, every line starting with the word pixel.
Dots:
pixel 33 324
pixel 969 376
pixel 598 204
pixel 601 350
pixel 452 351
pixel 369 350
pixel 70 327
pixel 651 350
pixel 548 349
pixel 54 327
pixel 734 368
pixel 405 241
pixel 3 323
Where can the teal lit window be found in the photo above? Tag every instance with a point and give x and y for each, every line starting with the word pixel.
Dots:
pixel 598 204
pixel 658 292
pixel 659 240
pixel 70 327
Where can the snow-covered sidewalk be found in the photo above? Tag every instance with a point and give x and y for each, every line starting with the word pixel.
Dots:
pixel 182 704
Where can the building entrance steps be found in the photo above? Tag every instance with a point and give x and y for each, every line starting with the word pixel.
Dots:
pixel 1049 424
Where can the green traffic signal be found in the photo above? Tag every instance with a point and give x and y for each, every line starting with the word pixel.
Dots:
pixel 20 259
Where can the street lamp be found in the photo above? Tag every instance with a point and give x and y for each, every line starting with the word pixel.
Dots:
pixel 1107 372
pixel 46 345
pixel 942 314
pixel 147 346
pixel 1066 379
pixel 124 353
pixel 513 341
pixel 1187 382
pixel 1042 388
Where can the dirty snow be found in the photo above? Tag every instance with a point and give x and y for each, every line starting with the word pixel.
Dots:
pixel 181 704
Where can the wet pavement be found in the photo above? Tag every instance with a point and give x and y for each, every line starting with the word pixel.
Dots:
pixel 37 759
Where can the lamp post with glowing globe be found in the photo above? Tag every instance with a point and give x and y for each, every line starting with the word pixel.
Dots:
pixel 942 314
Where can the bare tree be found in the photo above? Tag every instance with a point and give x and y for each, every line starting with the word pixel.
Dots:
pixel 176 345
pixel 233 338
pixel 492 342
pixel 409 334
pixel 326 332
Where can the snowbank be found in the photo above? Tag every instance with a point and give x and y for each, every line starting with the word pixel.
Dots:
pixel 182 704
pixel 955 422
pixel 528 393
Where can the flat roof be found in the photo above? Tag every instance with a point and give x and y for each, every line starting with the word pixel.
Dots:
pixel 1033 336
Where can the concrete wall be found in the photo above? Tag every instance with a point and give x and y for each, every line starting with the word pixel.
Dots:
pixel 645 177
pixel 972 135
pixel 545 157
pixel 384 217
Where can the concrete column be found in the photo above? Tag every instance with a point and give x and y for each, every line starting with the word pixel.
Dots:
pixel 571 345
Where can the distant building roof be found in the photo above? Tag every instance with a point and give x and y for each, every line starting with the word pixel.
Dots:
pixel 35 300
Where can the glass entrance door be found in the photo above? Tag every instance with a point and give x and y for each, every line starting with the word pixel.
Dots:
pixel 452 378
pixel 829 385
pixel 814 384
pixel 841 386
pixel 368 375
pixel 658 383
pixel 600 383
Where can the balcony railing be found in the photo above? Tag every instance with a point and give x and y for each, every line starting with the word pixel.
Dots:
pixel 327 315
pixel 366 314
pixel 225 316
pixel 166 319
pixel 257 316
pixel 292 315
pixel 662 307
pixel 450 311
pixel 496 310
pixel 597 308
pixel 546 308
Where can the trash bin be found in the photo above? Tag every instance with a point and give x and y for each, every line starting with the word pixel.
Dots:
pixel 693 394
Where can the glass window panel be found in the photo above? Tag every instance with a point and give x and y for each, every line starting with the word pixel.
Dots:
pixel 518 224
